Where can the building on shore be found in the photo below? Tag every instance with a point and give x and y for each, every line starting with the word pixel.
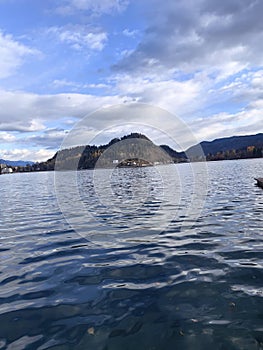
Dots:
pixel 4 169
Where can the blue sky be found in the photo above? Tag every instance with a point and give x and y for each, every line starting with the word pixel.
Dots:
pixel 62 60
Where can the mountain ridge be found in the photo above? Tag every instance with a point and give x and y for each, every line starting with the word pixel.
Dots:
pixel 16 162
pixel 238 145
pixel 232 147
pixel 223 143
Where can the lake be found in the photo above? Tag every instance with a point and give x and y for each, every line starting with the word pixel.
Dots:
pixel 166 257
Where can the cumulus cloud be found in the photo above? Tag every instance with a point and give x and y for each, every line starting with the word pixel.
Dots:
pixel 51 139
pixel 179 97
pixel 6 137
pixel 199 59
pixel 80 37
pixel 94 7
pixel 25 154
pixel 182 98
pixel 247 121
pixel 130 33
pixel 31 112
pixel 201 34
pixel 13 54
pixel 30 125
pixel 155 122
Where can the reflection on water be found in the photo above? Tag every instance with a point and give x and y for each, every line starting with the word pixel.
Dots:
pixel 195 285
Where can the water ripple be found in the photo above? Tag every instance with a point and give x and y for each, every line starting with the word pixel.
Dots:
pixel 195 285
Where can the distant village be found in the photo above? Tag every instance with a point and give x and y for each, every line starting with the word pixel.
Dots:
pixel 10 169
pixel 5 169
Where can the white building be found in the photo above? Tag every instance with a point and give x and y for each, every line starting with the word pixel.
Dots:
pixel 6 170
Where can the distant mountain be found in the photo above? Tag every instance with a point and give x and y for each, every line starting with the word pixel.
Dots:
pixel 233 147
pixel 172 153
pixel 130 150
pixel 15 162
pixel 138 150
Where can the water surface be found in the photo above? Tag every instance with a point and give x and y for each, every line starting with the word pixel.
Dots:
pixel 108 277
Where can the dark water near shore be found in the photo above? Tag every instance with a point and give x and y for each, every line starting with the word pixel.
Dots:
pixel 120 283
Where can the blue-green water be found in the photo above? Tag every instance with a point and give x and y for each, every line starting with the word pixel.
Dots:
pixel 113 281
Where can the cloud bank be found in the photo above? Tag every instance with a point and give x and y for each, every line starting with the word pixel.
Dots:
pixel 200 60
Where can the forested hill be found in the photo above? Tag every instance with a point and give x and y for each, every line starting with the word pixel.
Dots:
pixel 134 149
pixel 234 147
pixel 138 150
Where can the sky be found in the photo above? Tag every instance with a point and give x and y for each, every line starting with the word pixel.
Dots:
pixel 65 60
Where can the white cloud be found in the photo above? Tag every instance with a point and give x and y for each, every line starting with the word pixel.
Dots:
pixel 26 154
pixel 6 137
pixel 130 33
pixel 95 41
pixel 64 83
pixel 178 97
pixel 58 83
pixel 21 111
pixel 128 118
pixel 185 99
pixel 50 139
pixel 246 87
pixel 30 125
pixel 12 54
pixel 247 121
pixel 219 37
pixel 80 37
pixel 94 7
